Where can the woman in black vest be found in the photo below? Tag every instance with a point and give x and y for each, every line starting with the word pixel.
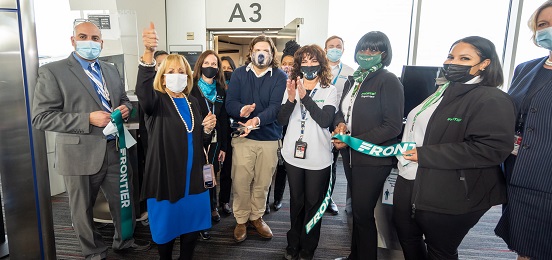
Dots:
pixel 371 109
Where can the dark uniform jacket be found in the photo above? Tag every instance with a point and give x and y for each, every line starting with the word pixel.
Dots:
pixel 468 136
pixel 377 114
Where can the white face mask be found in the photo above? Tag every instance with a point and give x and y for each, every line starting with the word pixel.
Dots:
pixel 176 82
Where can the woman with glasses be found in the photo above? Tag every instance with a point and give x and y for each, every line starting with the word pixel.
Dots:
pixel 371 109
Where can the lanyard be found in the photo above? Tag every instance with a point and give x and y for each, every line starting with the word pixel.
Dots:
pixel 339 72
pixel 209 108
pixel 430 101
pixel 356 86
pixel 304 114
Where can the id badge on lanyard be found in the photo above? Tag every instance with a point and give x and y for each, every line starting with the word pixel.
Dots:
pixel 300 146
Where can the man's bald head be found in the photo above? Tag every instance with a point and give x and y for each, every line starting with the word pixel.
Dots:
pixel 86 31
pixel 86 26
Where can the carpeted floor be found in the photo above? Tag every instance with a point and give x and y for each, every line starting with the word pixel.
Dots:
pixel 480 243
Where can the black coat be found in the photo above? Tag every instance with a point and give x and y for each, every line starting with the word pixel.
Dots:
pixel 468 136
pixel 166 159
pixel 377 114
pixel 222 122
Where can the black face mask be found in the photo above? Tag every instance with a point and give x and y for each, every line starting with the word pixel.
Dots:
pixel 310 72
pixel 227 75
pixel 209 72
pixel 458 73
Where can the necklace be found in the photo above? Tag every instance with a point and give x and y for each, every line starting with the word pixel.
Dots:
pixel 191 113
pixel 548 62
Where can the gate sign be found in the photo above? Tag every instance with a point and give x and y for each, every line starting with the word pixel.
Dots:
pixel 244 14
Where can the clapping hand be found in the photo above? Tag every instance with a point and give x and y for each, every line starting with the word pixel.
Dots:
pixel 291 90
pixel 300 88
pixel 249 125
pixel 247 110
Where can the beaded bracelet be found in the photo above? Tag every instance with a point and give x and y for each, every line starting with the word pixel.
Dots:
pixel 142 63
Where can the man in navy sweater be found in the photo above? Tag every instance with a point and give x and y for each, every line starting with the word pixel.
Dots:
pixel 254 97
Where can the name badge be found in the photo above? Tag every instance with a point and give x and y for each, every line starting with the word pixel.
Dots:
pixel 300 150
pixel 209 180
pixel 517 143
pixel 214 138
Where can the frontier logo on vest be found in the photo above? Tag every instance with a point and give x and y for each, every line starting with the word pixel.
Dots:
pixel 454 119
pixel 368 94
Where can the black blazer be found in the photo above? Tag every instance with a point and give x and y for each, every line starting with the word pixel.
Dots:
pixel 222 122
pixel 166 159
pixel 377 114
pixel 467 137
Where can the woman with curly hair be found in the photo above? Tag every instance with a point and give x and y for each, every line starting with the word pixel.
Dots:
pixel 309 105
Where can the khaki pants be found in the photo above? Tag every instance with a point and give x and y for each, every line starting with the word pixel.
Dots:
pixel 253 164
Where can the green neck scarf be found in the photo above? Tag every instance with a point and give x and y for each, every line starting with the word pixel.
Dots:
pixel 359 75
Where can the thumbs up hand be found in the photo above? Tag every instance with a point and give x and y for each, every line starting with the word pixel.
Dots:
pixel 150 39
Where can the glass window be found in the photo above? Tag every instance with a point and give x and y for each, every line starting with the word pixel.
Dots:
pixel 351 20
pixel 54 27
pixel 526 49
pixel 444 22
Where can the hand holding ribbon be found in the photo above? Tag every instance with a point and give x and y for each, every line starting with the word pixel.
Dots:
pixel 375 150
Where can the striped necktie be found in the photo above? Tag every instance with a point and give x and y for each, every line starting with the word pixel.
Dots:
pixel 101 90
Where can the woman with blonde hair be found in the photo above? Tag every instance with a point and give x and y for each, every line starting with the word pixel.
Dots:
pixel 173 181
pixel 526 224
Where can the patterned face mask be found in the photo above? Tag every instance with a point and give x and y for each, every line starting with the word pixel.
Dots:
pixel 261 59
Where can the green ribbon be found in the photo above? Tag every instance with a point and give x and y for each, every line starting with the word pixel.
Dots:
pixel 320 212
pixel 365 148
pixel 375 150
pixel 124 185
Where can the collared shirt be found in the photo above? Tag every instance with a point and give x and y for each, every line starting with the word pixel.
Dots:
pixel 85 64
pixel 250 67
pixel 344 71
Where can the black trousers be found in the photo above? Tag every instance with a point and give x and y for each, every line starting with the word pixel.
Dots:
pixel 279 183
pixel 187 246
pixel 443 232
pixel 307 189
pixel 366 184
pixel 335 153
pixel 226 176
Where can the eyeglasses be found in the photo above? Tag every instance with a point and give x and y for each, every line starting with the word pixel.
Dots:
pixel 81 20
pixel 370 51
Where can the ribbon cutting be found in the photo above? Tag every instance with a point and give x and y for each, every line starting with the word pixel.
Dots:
pixel 365 148
pixel 375 150
pixel 124 185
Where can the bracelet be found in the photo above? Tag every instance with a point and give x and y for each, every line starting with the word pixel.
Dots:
pixel 143 64
pixel 207 133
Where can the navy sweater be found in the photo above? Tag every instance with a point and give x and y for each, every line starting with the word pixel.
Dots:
pixel 266 92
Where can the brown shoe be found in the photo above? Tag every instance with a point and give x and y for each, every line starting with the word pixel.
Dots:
pixel 240 232
pixel 262 228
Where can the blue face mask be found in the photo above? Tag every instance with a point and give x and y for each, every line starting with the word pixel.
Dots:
pixel 89 50
pixel 544 38
pixel 334 54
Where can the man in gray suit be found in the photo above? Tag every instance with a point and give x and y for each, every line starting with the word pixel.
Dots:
pixel 75 97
